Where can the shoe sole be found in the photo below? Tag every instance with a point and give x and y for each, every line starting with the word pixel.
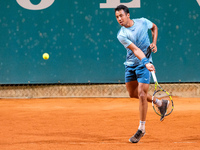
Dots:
pixel 137 141
pixel 165 112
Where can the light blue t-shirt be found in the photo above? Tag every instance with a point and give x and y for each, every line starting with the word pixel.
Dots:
pixel 137 34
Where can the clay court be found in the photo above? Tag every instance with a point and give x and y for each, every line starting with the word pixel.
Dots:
pixel 95 123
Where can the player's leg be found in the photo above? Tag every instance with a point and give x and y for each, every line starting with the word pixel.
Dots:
pixel 161 104
pixel 132 88
pixel 156 101
pixel 143 107
pixel 143 78
pixel 143 104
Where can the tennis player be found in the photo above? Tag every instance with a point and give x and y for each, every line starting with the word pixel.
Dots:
pixel 133 35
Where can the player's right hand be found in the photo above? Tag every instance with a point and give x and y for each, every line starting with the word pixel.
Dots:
pixel 150 67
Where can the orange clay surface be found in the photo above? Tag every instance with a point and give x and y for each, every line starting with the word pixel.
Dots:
pixel 95 124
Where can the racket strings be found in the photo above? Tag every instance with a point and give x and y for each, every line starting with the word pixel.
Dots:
pixel 163 95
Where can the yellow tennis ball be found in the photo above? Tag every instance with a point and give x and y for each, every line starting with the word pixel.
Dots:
pixel 45 56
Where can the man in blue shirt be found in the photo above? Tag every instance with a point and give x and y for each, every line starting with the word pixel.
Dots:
pixel 133 35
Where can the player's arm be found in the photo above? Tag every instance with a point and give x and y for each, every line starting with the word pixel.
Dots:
pixel 154 31
pixel 141 56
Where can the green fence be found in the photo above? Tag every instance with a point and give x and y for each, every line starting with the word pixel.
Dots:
pixel 80 37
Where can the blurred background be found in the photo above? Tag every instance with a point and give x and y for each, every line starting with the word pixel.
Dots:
pixel 80 38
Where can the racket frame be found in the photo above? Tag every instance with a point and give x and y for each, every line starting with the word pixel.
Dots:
pixel 156 91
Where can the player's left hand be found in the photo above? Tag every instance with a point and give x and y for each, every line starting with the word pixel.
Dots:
pixel 153 47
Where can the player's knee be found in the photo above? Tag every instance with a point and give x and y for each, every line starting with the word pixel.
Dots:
pixel 142 95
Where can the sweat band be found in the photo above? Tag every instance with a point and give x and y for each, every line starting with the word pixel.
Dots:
pixel 145 61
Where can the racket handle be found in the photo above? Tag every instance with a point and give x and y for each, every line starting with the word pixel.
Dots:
pixel 154 76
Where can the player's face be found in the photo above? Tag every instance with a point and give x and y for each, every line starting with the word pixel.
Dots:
pixel 122 17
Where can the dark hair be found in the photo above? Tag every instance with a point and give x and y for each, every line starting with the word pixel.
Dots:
pixel 122 7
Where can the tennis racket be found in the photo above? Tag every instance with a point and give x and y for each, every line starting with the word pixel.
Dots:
pixel 161 94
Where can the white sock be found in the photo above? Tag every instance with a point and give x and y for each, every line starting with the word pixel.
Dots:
pixel 142 126
pixel 158 102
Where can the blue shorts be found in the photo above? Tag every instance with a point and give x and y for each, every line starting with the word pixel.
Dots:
pixel 140 73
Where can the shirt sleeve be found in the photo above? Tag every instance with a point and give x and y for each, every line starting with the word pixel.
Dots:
pixel 124 41
pixel 149 23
